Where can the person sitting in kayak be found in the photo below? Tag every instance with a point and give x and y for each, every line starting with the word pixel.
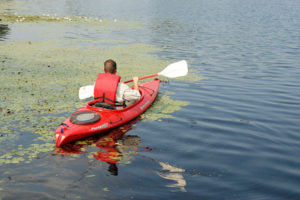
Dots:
pixel 109 88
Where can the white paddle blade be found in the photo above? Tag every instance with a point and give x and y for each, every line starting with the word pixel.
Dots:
pixel 86 92
pixel 175 70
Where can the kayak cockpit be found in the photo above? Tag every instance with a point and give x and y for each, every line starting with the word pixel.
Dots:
pixel 99 103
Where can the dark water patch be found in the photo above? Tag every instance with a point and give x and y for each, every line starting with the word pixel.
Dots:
pixel 4 31
pixel 12 194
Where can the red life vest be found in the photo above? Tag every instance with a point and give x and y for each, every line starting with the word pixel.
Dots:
pixel 106 87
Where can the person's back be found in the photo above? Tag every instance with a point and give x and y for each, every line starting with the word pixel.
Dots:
pixel 122 94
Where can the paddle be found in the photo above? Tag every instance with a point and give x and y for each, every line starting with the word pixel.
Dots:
pixel 173 70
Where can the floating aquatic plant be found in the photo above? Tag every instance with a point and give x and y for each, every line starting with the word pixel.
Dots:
pixel 47 18
pixel 163 107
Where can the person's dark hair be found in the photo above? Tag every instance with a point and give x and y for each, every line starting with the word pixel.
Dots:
pixel 110 66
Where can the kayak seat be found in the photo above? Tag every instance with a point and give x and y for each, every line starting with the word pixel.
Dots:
pixel 105 105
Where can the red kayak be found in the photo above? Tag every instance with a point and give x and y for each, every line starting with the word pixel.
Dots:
pixel 95 117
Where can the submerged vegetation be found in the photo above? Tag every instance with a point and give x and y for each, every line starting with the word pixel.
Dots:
pixel 40 81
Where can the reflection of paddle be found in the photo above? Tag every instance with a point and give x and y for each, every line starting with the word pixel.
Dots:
pixel 173 70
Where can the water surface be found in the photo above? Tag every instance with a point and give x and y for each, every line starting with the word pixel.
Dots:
pixel 227 131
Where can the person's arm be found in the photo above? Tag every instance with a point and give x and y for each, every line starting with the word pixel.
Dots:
pixel 131 94
pixel 135 83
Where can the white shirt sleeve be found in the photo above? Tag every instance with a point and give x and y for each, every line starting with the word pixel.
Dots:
pixel 125 93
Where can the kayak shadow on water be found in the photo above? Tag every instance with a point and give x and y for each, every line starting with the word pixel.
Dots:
pixel 113 146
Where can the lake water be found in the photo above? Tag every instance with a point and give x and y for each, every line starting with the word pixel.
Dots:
pixel 231 130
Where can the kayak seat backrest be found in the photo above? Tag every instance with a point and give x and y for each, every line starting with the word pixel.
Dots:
pixel 101 104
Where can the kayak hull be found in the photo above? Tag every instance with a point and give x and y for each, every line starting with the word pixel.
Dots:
pixel 109 119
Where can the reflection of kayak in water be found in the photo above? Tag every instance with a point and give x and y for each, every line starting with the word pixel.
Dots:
pixel 117 150
pixel 114 151
pixel 114 146
pixel 91 119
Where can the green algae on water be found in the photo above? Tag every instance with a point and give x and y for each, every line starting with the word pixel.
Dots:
pixel 192 76
pixel 163 107
pixel 25 154
pixel 46 18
